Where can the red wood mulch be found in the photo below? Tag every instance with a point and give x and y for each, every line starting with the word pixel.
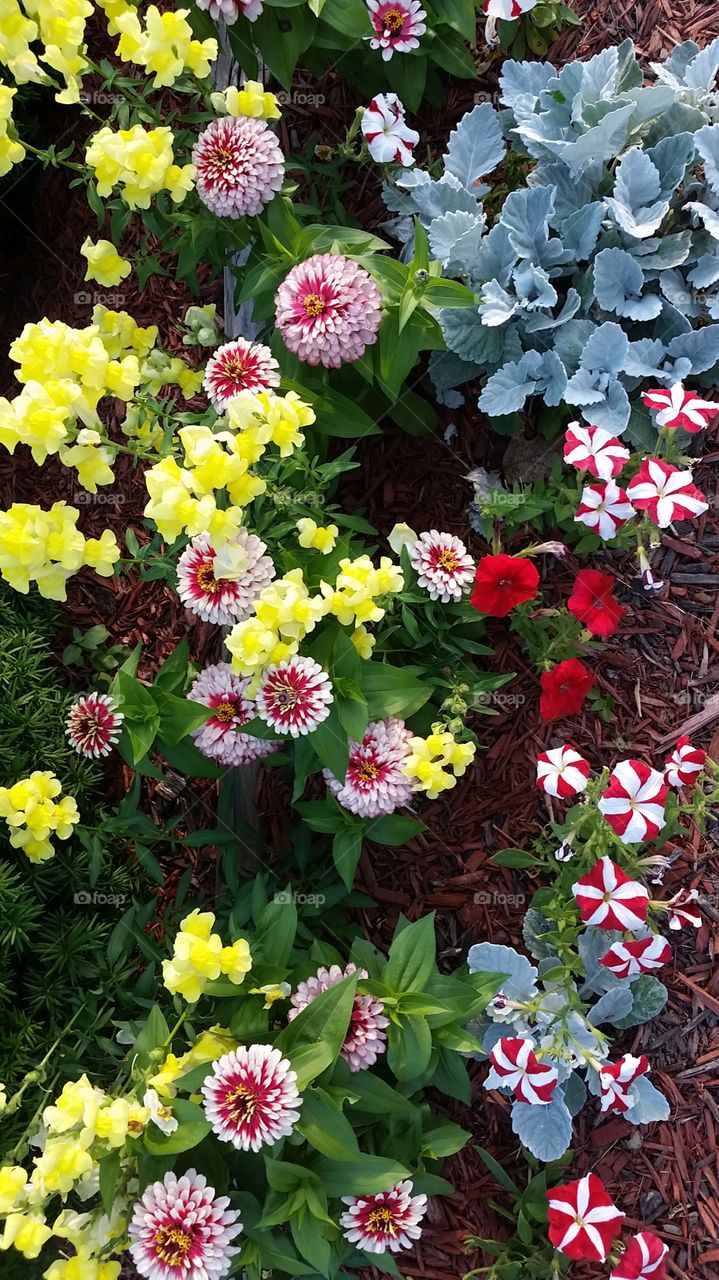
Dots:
pixel 660 669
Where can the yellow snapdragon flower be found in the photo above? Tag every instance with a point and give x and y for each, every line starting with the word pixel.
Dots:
pixel 13 1179
pixel 104 263
pixel 26 1233
pixel 165 46
pixel 435 762
pixel 353 599
pixel 45 547
pixel 199 957
pixel 33 813
pixel 140 162
pixel 317 537
pixel 363 641
pixel 83 1267
pixel 284 613
pixel 252 99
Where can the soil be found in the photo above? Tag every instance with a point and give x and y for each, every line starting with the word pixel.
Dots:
pixel 661 668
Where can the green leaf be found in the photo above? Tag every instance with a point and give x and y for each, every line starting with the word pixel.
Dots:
pixel 310 1242
pixel 109 1168
pixel 391 691
pixel 171 676
pixel 393 829
pixel 370 1175
pixel 346 851
pixel 178 716
pixel 498 1173
pixel 513 858
pixel 275 931
pixel 310 1061
pixel 329 741
pixel 153 1034
pixel 443 1139
pixel 409 1048
pixel 448 293
pixel 324 1021
pixel 193 1127
pixel 324 1125
pixel 411 956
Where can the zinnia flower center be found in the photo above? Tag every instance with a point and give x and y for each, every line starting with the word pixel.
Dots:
pixel 235 367
pixel 206 579
pixel 172 1245
pixel 382 1220
pixel 242 1103
pixel 287 699
pixel 367 771
pixel 393 20
pixel 448 560
pixel 314 305
pixel 225 712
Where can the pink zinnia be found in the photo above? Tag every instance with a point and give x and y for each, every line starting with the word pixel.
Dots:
pixel 219 738
pixel 222 587
pixel 366 1038
pixel 295 696
pixel 375 783
pixel 182 1231
pixel 93 724
pixel 443 568
pixel 389 1220
pixel 397 25
pixel 228 11
pixel 328 310
pixel 238 366
pixel 240 166
pixel 251 1098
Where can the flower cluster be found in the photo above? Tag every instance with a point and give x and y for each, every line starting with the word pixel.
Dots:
pixel 61 35
pixel 33 813
pixel 140 162
pixel 164 46
pixel 199 957
pixel 435 762
pixel 45 547
pixel 283 614
pixel 359 585
pixel 375 782
pixel 183 498
pixel 222 586
pixel 65 373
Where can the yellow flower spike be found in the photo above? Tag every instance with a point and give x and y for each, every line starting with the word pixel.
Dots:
pixel 104 263
pixel 435 762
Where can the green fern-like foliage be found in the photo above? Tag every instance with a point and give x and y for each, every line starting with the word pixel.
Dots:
pixel 53 937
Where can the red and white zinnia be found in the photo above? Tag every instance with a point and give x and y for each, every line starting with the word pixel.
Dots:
pixel 562 772
pixel 516 1066
pixel 665 493
pixel 583 1220
pixel 240 166
pixel 633 803
pixel 251 1097
pixel 180 1230
pixel 385 130
pixel 594 450
pixel 328 310
pixel 295 696
pixel 609 899
pixel 443 567
pixel 388 1220
pixel 397 26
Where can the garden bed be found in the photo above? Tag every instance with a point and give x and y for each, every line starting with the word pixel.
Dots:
pixel 654 677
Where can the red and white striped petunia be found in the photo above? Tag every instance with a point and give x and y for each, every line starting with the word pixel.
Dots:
pixel 643 1259
pixel 640 955
pixel 679 910
pixel 562 772
pixel 665 493
pixel 594 450
pixel 676 407
pixel 616 1079
pixel 633 803
pixel 604 508
pixel 517 1067
pixel 684 763
pixel 583 1219
pixel 608 899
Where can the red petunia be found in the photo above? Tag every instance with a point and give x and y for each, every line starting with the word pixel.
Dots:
pixel 583 1220
pixel 502 582
pixel 564 689
pixel 593 603
pixel 643 1259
